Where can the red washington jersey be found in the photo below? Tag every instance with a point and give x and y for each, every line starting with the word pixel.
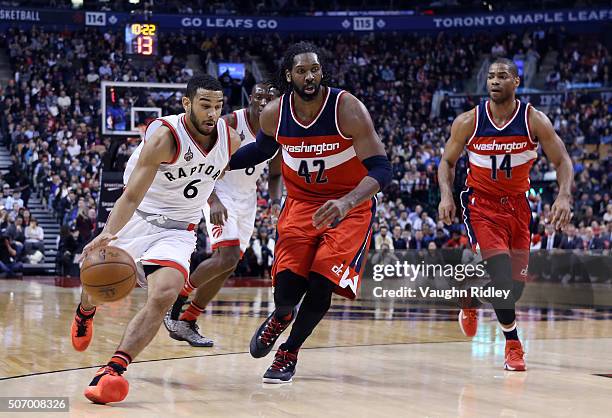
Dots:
pixel 500 157
pixel 319 162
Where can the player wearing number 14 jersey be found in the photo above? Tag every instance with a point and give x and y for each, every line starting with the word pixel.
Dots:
pixel 333 163
pixel 501 136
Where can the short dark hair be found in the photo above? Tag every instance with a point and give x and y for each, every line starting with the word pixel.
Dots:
pixel 511 65
pixel 287 63
pixel 202 81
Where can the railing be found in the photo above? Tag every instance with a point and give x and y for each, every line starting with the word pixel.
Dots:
pixel 244 98
pixel 256 71
pixel 211 68
pixel 435 103
pixel 530 70
pixel 481 77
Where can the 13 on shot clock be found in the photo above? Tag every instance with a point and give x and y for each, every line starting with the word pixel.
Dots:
pixel 141 39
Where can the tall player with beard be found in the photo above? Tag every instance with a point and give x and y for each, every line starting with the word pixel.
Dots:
pixel 230 217
pixel 333 163
pixel 169 178
pixel 501 136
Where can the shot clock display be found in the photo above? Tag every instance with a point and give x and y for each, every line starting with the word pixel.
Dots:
pixel 141 39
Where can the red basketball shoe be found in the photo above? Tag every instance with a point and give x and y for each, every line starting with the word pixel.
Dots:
pixel 81 331
pixel 108 385
pixel 514 356
pixel 468 321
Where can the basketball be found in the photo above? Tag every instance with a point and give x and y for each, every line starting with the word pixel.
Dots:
pixel 108 274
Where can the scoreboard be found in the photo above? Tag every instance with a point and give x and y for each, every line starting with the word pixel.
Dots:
pixel 141 39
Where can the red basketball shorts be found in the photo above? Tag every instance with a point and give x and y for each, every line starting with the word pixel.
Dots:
pixel 337 253
pixel 499 225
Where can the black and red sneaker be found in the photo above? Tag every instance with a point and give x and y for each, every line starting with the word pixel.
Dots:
pixel 81 330
pixel 266 335
pixel 283 367
pixel 108 385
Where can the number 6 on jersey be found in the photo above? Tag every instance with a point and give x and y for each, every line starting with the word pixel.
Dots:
pixel 190 190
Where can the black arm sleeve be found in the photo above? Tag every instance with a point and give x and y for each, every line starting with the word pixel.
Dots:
pixel 254 153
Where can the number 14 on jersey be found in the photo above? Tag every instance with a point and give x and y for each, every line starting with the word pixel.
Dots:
pixel 506 165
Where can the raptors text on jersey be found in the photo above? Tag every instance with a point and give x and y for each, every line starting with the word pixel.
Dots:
pixel 182 186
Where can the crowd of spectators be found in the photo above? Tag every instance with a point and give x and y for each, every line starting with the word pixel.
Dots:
pixel 580 62
pixel 20 235
pixel 50 121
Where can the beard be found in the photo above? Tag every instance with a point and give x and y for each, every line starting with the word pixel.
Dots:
pixel 197 125
pixel 307 97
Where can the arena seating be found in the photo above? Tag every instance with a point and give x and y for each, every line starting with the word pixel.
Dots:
pixel 50 110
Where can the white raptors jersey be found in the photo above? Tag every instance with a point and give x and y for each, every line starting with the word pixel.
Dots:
pixel 242 184
pixel 182 186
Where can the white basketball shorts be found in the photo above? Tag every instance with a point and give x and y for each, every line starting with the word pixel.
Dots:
pixel 238 228
pixel 149 244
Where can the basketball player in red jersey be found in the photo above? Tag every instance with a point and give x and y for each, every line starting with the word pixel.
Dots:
pixel 501 136
pixel 230 215
pixel 333 163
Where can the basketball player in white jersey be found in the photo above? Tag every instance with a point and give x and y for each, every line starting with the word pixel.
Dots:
pixel 168 179
pixel 230 217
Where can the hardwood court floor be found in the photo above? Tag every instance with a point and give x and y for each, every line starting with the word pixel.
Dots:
pixel 359 362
